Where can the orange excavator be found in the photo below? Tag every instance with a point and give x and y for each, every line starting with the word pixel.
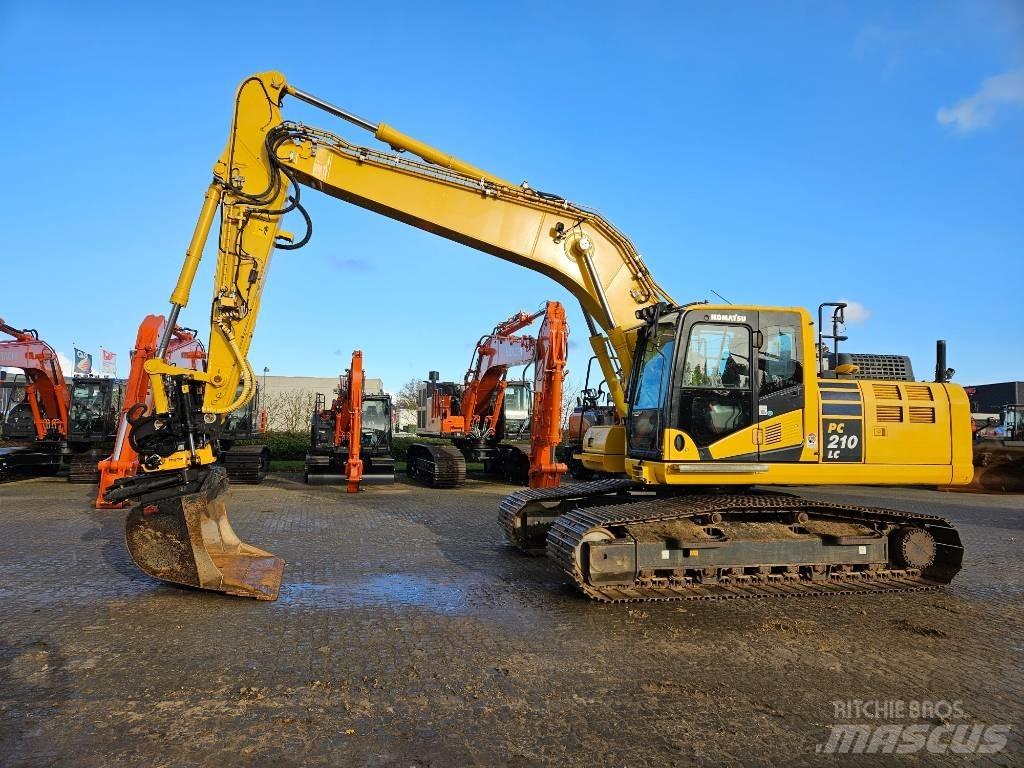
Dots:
pixel 491 419
pixel 185 350
pixel 48 399
pixel 353 436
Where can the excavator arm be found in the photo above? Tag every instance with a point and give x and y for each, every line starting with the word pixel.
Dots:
pixel 484 384
pixel 257 181
pixel 552 354
pixel 348 419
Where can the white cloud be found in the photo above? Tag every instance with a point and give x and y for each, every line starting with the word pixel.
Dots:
pixel 66 365
pixel 979 110
pixel 855 312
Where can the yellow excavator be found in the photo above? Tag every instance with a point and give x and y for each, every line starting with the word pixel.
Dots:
pixel 717 401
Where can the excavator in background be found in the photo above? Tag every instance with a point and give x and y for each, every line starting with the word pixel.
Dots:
pixel 493 420
pixel 57 425
pixel 240 450
pixel 999 451
pixel 351 441
pixel 714 399
pixel 593 409
pixel 47 399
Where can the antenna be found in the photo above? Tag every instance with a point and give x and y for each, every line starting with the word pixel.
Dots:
pixel 720 296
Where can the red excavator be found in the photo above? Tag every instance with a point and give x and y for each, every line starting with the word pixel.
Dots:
pixel 491 419
pixel 351 440
pixel 48 399
pixel 184 350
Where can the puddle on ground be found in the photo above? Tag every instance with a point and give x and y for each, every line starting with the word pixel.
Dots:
pixel 396 589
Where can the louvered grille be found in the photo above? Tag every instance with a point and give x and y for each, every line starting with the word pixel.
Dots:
pixel 886 391
pixel 919 392
pixel 773 434
pixel 921 415
pixel 889 413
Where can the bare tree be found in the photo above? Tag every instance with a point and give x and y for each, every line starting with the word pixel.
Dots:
pixel 407 401
pixel 571 390
pixel 289 411
pixel 407 398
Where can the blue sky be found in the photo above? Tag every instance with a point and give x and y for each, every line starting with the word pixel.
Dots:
pixel 778 153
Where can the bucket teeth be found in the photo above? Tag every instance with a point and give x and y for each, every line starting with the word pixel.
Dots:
pixel 186 538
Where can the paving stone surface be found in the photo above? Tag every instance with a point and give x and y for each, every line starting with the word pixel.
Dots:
pixel 408 634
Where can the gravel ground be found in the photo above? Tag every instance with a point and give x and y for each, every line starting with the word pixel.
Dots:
pixel 407 633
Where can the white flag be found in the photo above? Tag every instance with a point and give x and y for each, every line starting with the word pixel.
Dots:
pixel 109 365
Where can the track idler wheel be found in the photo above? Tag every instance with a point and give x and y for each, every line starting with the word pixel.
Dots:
pixel 186 538
pixel 915 547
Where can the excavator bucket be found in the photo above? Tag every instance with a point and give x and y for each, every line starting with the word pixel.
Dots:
pixel 186 538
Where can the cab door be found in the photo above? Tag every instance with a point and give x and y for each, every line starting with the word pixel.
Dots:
pixel 780 387
pixel 715 385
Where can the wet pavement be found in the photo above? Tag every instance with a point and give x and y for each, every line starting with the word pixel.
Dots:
pixel 407 633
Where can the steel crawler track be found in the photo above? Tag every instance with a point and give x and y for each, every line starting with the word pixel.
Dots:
pixel 246 464
pixel 82 467
pixel 525 516
pixel 567 545
pixel 439 466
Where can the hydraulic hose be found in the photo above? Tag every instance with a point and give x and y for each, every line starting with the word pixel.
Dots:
pixel 247 377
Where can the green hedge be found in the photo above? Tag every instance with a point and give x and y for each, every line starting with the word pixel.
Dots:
pixel 292 446
pixel 400 444
pixel 284 446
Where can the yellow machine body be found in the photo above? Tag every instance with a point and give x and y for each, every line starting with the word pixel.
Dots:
pixel 835 430
pixel 604 449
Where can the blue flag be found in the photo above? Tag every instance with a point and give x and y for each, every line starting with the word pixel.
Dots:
pixel 83 362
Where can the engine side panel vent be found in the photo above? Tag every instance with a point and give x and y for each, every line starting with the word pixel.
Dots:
pixel 919 392
pixel 892 414
pixel 889 367
pixel 886 391
pixel 919 414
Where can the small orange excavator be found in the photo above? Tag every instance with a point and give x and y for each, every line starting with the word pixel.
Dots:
pixel 184 350
pixel 48 398
pixel 351 440
pixel 491 419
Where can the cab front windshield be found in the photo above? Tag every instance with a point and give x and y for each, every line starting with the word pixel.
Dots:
pixel 86 405
pixel 517 400
pixel 375 415
pixel 655 366
pixel 516 408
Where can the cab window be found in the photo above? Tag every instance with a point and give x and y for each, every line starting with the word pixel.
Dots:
pixel 715 398
pixel 652 388
pixel 718 357
pixel 780 362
